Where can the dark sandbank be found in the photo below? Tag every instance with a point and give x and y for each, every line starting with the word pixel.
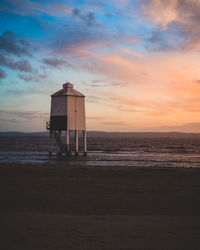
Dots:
pixel 62 207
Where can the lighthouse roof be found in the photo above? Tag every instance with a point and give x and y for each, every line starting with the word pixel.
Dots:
pixel 68 90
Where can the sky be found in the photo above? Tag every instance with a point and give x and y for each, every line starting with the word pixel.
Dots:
pixel 137 62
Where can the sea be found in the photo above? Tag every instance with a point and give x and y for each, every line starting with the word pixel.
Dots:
pixel 164 152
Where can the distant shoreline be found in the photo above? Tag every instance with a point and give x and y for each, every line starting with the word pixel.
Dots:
pixel 111 134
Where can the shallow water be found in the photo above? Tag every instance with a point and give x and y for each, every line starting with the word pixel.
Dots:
pixel 155 152
pixel 100 158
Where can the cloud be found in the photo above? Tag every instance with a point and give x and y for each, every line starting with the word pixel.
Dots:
pixel 168 90
pixel 11 49
pixel 117 68
pixel 55 62
pixel 197 81
pixel 76 40
pixel 73 38
pixel 115 123
pixel 11 120
pixel 162 41
pixel 25 115
pixel 27 7
pixel 63 9
pixel 182 15
pixel 32 78
pixel 11 44
pixel 104 83
pixel 20 65
pixel 161 12
pixel 88 18
pixel 95 117
pixel 2 74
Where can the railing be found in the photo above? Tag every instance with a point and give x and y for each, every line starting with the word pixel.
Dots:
pixel 48 125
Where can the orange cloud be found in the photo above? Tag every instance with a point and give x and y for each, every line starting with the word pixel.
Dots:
pixel 166 94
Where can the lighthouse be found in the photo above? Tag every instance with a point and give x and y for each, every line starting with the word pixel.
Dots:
pixel 67 114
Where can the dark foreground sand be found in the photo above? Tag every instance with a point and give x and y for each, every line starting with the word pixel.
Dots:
pixel 61 207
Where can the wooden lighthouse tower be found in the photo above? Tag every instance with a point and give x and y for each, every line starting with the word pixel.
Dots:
pixel 67 114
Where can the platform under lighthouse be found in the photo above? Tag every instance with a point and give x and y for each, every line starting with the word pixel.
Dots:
pixel 67 114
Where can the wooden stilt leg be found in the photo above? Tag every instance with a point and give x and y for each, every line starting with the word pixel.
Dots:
pixel 84 142
pixel 59 148
pixel 76 142
pixel 67 143
pixel 50 142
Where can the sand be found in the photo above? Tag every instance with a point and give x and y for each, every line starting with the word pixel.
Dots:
pixel 62 207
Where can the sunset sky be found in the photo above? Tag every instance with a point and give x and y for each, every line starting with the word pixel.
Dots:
pixel 137 62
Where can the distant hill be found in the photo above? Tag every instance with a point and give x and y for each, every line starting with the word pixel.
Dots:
pixel 16 134
pixel 144 134
pixel 112 134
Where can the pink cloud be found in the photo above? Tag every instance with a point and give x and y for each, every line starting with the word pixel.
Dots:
pixel 182 12
pixel 63 9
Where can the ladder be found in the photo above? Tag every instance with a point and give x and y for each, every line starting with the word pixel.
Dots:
pixel 62 146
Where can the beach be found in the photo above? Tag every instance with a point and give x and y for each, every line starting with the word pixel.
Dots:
pixel 51 206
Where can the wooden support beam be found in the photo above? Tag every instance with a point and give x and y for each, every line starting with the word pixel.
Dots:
pixel 67 142
pixel 84 142
pixel 50 142
pixel 76 142
pixel 59 148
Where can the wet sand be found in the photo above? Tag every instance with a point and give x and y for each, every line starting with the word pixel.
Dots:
pixel 62 207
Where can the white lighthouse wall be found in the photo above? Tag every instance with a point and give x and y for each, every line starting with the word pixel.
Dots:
pixel 71 113
pixel 80 113
pixel 59 106
pixel 75 113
